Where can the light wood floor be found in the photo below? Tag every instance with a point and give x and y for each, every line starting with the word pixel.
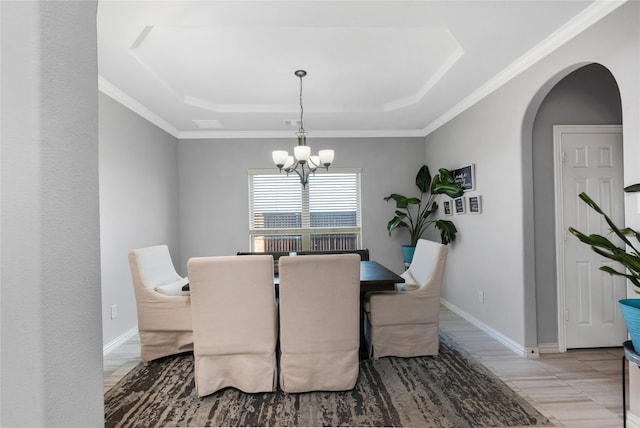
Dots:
pixel 579 388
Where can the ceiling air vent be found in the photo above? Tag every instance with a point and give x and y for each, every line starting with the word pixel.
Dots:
pixel 208 123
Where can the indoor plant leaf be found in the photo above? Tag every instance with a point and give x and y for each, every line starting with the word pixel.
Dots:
pixel 451 190
pixel 611 271
pixel 401 201
pixel 593 240
pixel 613 227
pixel 444 183
pixel 423 179
pixel 446 176
pixel 395 223
pixel 631 232
pixel 447 230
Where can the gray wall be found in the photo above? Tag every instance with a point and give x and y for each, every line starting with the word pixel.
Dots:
pixel 588 96
pixel 495 249
pixel 138 204
pixel 51 354
pixel 214 189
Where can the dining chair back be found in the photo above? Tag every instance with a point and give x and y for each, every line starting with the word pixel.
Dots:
pixel 234 323
pixel 319 322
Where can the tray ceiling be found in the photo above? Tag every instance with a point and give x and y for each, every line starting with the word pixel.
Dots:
pixel 224 69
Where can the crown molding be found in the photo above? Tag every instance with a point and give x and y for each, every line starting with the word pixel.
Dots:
pixel 134 105
pixel 384 133
pixel 589 16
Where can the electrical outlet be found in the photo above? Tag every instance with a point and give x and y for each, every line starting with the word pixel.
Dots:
pixel 114 312
pixel 481 296
pixel 532 353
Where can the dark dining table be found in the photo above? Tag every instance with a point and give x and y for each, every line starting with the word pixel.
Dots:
pixel 373 277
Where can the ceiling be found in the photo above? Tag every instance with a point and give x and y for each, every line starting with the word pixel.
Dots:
pixel 225 69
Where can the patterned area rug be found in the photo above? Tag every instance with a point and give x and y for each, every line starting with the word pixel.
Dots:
pixel 450 390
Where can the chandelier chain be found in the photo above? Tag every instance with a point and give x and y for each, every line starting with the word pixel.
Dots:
pixel 301 130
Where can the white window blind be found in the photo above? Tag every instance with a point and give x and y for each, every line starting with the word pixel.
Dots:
pixel 334 200
pixel 284 216
pixel 275 202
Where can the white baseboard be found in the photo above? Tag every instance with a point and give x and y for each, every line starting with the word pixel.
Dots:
pixel 506 341
pixel 106 349
pixel 633 421
pixel 549 348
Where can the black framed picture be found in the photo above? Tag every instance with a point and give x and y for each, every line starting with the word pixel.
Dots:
pixel 465 177
pixel 459 205
pixel 446 207
pixel 475 204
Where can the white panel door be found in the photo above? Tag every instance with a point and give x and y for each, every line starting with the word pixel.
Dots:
pixel 591 159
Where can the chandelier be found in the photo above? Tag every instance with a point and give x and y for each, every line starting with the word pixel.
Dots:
pixel 302 162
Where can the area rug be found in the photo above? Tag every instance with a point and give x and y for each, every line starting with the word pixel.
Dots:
pixel 449 390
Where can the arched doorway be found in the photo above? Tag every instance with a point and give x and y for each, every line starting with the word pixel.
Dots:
pixel 583 95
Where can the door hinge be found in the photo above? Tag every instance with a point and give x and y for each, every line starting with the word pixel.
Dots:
pixel 563 155
pixel 566 315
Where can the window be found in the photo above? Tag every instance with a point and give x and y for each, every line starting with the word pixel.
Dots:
pixel 285 217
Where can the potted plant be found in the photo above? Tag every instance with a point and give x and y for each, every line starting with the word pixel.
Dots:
pixel 630 260
pixel 414 213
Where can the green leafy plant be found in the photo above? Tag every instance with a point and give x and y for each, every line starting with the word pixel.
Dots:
pixel 606 248
pixel 414 213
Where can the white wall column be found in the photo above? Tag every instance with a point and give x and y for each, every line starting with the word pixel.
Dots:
pixel 51 347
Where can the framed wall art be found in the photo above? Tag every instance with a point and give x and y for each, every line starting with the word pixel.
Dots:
pixel 475 204
pixel 447 208
pixel 459 205
pixel 465 177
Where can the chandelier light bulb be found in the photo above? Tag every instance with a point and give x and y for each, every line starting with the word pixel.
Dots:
pixel 279 157
pixel 302 153
pixel 289 163
pixel 326 157
pixel 314 162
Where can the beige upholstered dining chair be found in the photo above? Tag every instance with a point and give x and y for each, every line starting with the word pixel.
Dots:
pixel 319 322
pixel 404 323
pixel 164 315
pixel 235 323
